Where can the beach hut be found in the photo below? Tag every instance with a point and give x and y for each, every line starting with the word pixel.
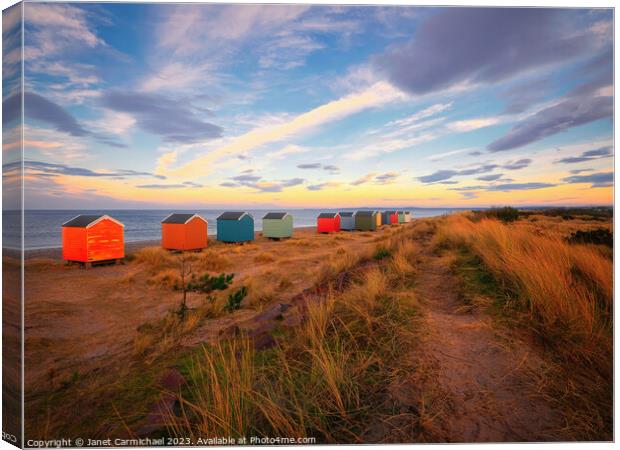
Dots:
pixel 393 217
pixel 89 238
pixel 277 225
pixel 385 218
pixel 379 219
pixel 235 226
pixel 328 223
pixel 407 217
pixel 366 220
pixel 347 221
pixel 401 216
pixel 184 232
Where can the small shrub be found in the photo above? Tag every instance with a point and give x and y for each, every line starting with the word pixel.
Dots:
pixel 207 283
pixel 600 236
pixel 235 299
pixel 505 214
pixel 382 253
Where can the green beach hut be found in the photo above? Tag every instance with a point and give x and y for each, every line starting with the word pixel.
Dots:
pixel 235 226
pixel 366 220
pixel 277 225
pixel 401 216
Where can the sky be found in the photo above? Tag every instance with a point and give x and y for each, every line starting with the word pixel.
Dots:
pixel 197 106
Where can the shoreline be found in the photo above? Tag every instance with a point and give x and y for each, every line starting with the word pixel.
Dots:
pixel 130 247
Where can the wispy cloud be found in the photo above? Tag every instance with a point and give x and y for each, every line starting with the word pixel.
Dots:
pixel 590 155
pixel 377 95
pixel 446 174
pixel 473 124
pixel 51 169
pixel 257 183
pixel 554 119
pixel 599 179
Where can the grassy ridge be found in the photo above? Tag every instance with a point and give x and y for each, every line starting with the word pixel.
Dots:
pixel 327 379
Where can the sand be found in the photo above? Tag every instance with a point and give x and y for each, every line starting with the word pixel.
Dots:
pixel 87 319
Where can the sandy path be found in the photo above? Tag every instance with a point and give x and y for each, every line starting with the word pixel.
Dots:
pixel 475 377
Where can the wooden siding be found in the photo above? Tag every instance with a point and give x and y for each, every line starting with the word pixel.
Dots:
pixel 184 236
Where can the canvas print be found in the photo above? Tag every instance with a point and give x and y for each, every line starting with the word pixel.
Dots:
pixel 240 224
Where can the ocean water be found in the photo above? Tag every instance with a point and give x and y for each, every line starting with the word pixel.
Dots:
pixel 42 228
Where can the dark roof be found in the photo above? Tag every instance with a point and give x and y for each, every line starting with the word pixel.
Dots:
pixel 400 212
pixel 179 218
pixel 231 215
pixel 346 214
pixel 389 212
pixel 327 215
pixel 365 213
pixel 275 215
pixel 82 221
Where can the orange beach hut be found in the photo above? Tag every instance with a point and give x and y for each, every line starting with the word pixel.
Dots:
pixel 90 238
pixel 184 232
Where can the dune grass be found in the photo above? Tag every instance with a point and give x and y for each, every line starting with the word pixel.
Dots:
pixel 326 379
pixel 561 291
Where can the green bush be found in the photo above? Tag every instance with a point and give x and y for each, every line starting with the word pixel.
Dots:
pixel 235 299
pixel 600 236
pixel 382 253
pixel 207 283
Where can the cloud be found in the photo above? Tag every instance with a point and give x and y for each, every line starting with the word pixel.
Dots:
pixel 287 150
pixel 493 177
pixel 321 186
pixel 386 178
pixel 331 168
pixel 578 171
pixel 439 175
pixel 256 182
pixel 524 95
pixel 377 95
pixel 516 165
pixel 483 45
pixel 480 169
pixel 51 169
pixel 167 186
pixel 174 120
pixel 309 166
pixel 463 126
pixel 53 29
pixel 365 179
pixel 518 186
pixel 554 119
pixel 446 174
pixel 590 155
pixel 423 114
pixel 599 179
pixel 39 108
pixel 469 194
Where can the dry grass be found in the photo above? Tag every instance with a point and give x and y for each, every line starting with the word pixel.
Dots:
pixel 155 258
pixel 261 291
pixel 323 379
pixel 264 257
pixel 564 292
pixel 340 261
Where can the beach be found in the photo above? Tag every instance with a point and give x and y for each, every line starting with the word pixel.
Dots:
pixel 102 343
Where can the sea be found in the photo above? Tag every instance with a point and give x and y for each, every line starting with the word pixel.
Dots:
pixel 42 228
